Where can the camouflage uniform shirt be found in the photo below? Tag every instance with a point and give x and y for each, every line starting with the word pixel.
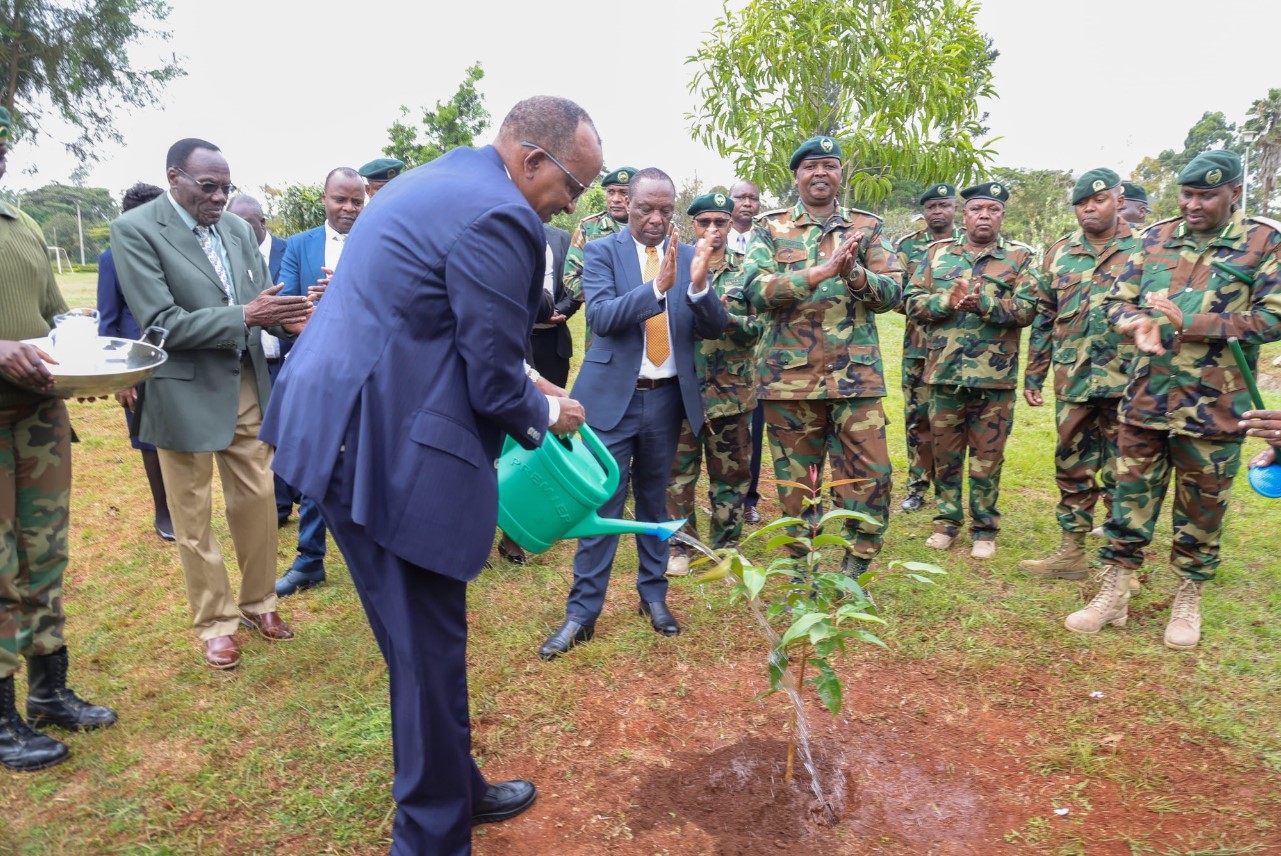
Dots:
pixel 727 366
pixel 911 249
pixel 1071 330
pixel 589 229
pixel 973 349
pixel 1230 287
pixel 820 342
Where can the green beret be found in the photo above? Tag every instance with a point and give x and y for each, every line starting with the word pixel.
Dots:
pixel 987 190
pixel 4 125
pixel 1211 169
pixel 383 169
pixel 1134 191
pixel 815 147
pixel 938 191
pixel 1092 182
pixel 711 202
pixel 622 175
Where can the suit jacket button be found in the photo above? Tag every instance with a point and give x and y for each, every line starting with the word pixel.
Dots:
pixel 235 371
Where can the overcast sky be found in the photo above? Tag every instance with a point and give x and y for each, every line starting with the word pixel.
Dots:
pixel 290 91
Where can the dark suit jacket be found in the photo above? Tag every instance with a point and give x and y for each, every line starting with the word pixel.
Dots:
pixel 618 303
pixel 409 374
pixel 192 401
pixel 277 255
pixel 114 318
pixel 564 304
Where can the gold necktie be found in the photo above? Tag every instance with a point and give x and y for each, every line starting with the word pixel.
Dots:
pixel 657 344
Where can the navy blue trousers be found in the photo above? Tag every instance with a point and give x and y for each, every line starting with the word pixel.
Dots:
pixel 419 619
pixel 644 445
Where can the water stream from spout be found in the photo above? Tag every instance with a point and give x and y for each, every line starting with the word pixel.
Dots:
pixel 789 682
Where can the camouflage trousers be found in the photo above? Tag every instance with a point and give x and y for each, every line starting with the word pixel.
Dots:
pixel 977 420
pixel 916 421
pixel 726 443
pixel 1086 451
pixel 851 432
pixel 1203 472
pixel 35 497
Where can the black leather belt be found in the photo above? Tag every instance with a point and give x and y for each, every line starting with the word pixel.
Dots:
pixel 655 383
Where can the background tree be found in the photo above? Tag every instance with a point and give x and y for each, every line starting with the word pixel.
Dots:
pixel 591 202
pixel 896 81
pixel 293 209
pixel 1264 120
pixel 1038 212
pixel 70 58
pixel 453 123
pixel 1158 174
pixel 54 208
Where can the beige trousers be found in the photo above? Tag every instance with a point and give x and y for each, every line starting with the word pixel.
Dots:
pixel 247 486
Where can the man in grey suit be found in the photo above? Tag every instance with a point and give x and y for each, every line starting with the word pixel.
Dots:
pixel 185 266
pixel 647 303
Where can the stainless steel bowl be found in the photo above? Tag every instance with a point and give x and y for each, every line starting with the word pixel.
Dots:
pixel 105 367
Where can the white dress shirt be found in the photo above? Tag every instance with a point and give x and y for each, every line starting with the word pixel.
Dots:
pixel 738 240
pixel 334 242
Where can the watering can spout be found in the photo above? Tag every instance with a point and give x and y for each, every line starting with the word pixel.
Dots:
pixel 596 525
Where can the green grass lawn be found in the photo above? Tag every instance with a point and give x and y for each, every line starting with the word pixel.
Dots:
pixel 290 753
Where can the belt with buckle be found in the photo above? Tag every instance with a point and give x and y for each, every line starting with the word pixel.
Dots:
pixel 655 383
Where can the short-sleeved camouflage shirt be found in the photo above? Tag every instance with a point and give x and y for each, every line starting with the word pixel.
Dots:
pixel 727 366
pixel 911 249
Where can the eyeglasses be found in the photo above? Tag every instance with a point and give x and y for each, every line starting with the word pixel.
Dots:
pixel 582 188
pixel 705 222
pixel 210 187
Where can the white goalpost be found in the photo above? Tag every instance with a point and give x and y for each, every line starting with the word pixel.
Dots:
pixel 59 257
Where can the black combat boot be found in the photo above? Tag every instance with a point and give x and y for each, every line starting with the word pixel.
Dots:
pixel 21 748
pixel 49 701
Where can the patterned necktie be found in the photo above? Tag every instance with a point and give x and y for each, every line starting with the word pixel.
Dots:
pixel 657 344
pixel 205 236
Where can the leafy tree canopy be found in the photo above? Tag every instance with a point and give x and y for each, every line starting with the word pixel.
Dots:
pixel 897 82
pixel 70 59
pixel 453 123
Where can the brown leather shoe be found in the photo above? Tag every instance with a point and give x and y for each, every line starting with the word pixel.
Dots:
pixel 222 652
pixel 269 625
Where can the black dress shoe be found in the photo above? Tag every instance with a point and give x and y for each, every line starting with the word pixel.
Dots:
pixel 570 634
pixel 164 529
pixel 913 502
pixel 511 551
pixel 504 800
pixel 661 617
pixel 751 515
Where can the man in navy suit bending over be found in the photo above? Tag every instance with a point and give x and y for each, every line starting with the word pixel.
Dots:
pixel 392 412
pixel 647 302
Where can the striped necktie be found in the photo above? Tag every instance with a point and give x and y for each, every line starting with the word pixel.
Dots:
pixel 658 346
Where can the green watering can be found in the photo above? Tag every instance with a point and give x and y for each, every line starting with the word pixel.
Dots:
pixel 552 493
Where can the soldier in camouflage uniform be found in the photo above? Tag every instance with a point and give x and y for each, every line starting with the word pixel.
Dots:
pixel 939 208
pixel 972 293
pixel 817 274
pixel 1091 362
pixel 35 498
pixel 727 381
pixel 1134 205
pixel 608 222
pixel 1199 279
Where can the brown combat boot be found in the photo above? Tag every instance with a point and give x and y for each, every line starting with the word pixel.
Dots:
pixel 1068 562
pixel 1184 630
pixel 1109 606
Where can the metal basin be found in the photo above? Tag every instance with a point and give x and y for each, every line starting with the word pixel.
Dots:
pixel 100 366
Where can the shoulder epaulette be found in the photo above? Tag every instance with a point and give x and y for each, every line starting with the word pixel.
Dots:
pixel 903 239
pixel 865 213
pixel 1020 244
pixel 772 212
pixel 1267 221
pixel 1164 222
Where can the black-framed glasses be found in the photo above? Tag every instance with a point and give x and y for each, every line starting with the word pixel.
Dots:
pixel 582 188
pixel 706 222
pixel 211 187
